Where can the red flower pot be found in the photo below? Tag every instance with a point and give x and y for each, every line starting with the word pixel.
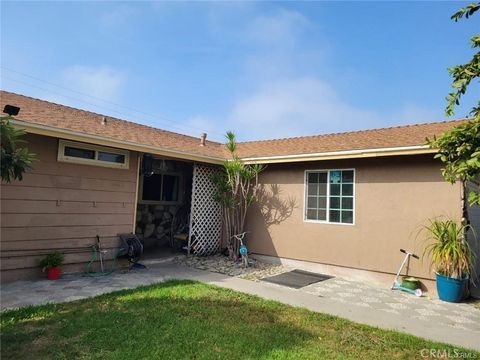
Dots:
pixel 54 273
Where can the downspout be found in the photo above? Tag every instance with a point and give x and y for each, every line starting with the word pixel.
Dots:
pixel 192 204
pixel 139 156
pixel 464 203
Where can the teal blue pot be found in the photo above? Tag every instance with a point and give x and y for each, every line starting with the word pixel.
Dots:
pixel 451 289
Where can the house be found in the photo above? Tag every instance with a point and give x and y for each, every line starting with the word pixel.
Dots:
pixel 342 204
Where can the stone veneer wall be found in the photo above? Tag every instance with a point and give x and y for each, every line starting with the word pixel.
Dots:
pixel 154 222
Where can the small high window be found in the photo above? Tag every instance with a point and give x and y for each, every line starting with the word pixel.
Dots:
pixel 329 196
pixel 81 153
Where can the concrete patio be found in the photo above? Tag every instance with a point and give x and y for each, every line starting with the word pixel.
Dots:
pixel 458 324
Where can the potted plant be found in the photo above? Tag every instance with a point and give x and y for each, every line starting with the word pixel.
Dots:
pixel 51 263
pixel 450 256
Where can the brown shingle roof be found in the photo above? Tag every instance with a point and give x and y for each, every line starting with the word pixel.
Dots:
pixel 400 136
pixel 66 118
pixel 63 117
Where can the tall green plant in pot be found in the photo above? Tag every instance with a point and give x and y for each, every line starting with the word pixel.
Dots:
pixel 450 256
pixel 237 186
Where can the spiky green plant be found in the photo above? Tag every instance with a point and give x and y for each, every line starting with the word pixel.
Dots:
pixel 52 260
pixel 15 160
pixel 448 249
pixel 237 186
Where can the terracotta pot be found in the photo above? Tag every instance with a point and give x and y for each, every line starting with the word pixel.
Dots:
pixel 54 273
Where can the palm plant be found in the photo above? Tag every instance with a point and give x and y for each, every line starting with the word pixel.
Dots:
pixel 15 160
pixel 449 250
pixel 237 187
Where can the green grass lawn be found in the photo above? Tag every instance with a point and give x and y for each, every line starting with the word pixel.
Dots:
pixel 189 320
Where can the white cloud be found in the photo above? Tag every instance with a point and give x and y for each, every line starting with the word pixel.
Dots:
pixel 287 94
pixel 294 107
pixel 101 82
pixel 309 106
pixel 278 29
pixel 118 16
pixel 198 124
pixel 285 98
pixel 276 50
pixel 225 18
pixel 413 113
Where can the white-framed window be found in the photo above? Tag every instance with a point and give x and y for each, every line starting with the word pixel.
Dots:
pixel 161 188
pixel 330 196
pixel 89 154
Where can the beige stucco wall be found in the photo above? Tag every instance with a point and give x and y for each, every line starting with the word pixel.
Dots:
pixel 63 206
pixel 393 198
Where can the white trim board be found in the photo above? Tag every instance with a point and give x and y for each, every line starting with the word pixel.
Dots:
pixel 106 141
pixel 331 155
pixel 129 145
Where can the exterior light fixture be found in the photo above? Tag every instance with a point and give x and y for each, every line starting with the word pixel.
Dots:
pixel 11 110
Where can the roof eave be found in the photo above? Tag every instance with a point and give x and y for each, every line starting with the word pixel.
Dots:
pixel 128 145
pixel 347 154
pixel 106 141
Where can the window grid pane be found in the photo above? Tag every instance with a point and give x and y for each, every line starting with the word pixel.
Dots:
pixel 341 196
pixel 79 153
pixel 111 157
pixel 347 217
pixel 316 197
pixel 330 196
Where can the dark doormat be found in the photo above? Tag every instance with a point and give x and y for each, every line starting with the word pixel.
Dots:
pixel 297 278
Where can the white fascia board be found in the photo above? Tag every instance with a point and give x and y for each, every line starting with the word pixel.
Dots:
pixel 340 154
pixel 121 144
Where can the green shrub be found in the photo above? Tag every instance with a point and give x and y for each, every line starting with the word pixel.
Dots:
pixel 52 260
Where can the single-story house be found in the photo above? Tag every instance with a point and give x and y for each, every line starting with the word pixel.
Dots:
pixel 342 204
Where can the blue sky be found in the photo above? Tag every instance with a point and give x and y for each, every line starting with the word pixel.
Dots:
pixel 263 69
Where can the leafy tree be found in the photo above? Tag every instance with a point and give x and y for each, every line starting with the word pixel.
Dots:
pixel 464 74
pixel 15 160
pixel 459 148
pixel 237 186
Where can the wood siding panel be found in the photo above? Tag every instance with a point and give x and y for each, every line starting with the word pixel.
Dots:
pixel 75 182
pixel 34 272
pixel 62 232
pixel 39 193
pixel 54 220
pixel 11 263
pixel 41 245
pixel 63 206
pixel 86 171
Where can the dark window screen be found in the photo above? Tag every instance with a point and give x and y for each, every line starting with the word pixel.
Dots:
pixel 111 157
pixel 152 187
pixel 170 188
pixel 79 153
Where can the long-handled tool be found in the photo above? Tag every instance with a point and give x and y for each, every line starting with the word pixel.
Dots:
pixel 100 253
pixel 397 285
pixel 97 250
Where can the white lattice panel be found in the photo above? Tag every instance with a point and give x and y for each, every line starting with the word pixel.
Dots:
pixel 205 218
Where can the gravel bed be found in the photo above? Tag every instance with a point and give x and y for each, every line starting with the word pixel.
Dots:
pixel 223 265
